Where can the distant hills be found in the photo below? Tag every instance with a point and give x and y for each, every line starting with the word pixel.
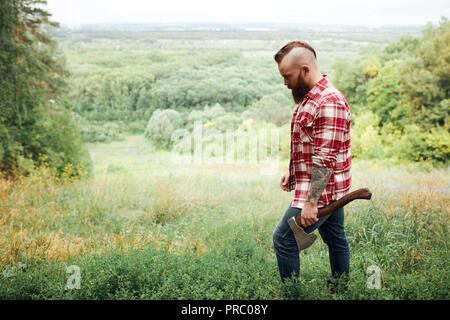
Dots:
pixel 251 27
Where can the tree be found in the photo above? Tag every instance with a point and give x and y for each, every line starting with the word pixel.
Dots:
pixel 383 94
pixel 35 119
pixel 161 126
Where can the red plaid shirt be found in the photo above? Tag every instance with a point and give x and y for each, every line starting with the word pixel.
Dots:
pixel 320 136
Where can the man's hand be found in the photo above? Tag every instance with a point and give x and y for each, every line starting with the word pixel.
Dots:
pixel 284 181
pixel 309 214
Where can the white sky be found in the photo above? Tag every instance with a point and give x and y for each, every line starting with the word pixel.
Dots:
pixel 350 12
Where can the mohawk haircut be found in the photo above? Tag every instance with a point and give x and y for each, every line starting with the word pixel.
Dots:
pixel 289 46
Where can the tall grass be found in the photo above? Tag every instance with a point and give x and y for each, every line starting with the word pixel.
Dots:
pixel 155 230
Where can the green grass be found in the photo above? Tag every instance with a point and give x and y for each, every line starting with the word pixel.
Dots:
pixel 144 228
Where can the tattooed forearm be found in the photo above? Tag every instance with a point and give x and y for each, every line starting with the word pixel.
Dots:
pixel 319 179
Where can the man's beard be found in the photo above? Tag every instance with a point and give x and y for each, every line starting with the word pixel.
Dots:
pixel 299 93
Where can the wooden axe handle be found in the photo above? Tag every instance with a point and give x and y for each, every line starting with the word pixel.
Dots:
pixel 363 193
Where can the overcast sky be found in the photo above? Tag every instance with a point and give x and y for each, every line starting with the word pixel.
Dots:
pixel 347 12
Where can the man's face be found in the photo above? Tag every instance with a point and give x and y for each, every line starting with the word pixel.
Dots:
pixel 293 79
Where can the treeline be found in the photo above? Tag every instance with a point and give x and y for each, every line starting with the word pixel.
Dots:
pixel 400 97
pixel 36 123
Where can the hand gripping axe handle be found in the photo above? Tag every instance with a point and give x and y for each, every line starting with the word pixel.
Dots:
pixel 304 240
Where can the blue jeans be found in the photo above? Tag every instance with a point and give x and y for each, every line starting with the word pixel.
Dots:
pixel 331 229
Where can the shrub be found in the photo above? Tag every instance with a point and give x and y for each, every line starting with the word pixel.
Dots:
pixel 418 145
pixel 366 141
pixel 56 142
pixel 136 127
pixel 161 126
pixel 95 131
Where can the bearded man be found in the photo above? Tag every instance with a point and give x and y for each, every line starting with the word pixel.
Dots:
pixel 320 163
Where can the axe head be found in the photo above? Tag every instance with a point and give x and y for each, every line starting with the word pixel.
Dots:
pixel 304 240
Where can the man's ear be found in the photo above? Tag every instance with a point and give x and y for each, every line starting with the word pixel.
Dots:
pixel 304 70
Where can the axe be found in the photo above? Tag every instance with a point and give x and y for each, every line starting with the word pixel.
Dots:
pixel 304 240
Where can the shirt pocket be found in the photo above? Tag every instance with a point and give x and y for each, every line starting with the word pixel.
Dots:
pixel 303 129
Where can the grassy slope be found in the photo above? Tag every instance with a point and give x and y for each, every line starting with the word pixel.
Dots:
pixel 146 228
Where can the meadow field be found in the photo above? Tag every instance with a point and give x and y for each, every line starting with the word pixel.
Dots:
pixel 143 227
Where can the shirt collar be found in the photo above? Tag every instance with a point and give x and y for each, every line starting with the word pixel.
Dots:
pixel 318 87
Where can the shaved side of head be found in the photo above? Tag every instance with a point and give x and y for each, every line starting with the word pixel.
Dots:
pixel 298 57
